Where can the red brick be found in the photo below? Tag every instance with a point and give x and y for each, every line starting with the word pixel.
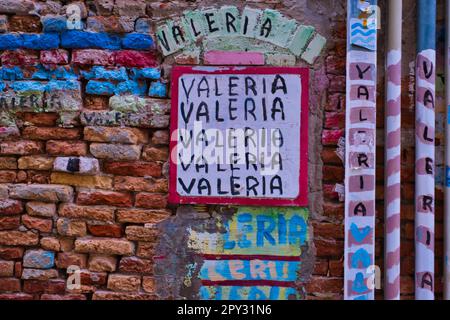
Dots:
pixel 56 56
pixel 335 65
pixel 105 230
pixel 47 286
pixel 10 207
pixel 66 259
pixel 16 296
pixel 19 58
pixel 136 265
pixel 329 192
pixel 38 119
pixel 43 225
pixel 96 102
pixel 328 230
pixel 56 297
pixel 9 285
pixel 329 156
pixel 336 102
pixel 8 176
pixel 325 285
pixel 155 154
pixel 336 268
pixel 66 148
pixel 321 268
pixel 22 147
pixel 10 253
pixel 138 59
pixel 29 23
pixel 103 197
pixel 334 120
pixel 133 168
pixel 151 200
pixel 46 133
pixel 333 173
pixel 9 223
pixel 329 248
pixel 331 137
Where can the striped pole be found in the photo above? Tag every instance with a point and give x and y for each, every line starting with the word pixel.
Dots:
pixel 447 161
pixel 425 149
pixel 360 136
pixel 392 152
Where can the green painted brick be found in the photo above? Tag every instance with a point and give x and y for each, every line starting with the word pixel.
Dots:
pixel 300 39
pixel 194 24
pixel 253 17
pixel 314 49
pixel 237 23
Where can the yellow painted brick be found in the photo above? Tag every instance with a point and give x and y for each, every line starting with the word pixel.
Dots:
pixel 102 182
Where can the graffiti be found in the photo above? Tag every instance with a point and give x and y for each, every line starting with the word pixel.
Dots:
pixel 245 253
pixel 264 25
pixel 229 136
pixel 393 153
pixel 425 150
pixel 360 152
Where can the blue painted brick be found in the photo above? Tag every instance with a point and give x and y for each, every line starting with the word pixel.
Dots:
pixel 39 259
pixel 158 90
pixel 12 73
pixel 137 41
pixel 59 72
pixel 131 87
pixel 100 88
pixel 28 86
pixel 10 41
pixel 44 41
pixel 54 23
pixel 69 85
pixel 148 73
pixel 143 25
pixel 101 73
pixel 83 40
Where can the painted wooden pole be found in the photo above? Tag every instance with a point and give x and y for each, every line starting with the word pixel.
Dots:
pixel 447 161
pixel 392 152
pixel 425 149
pixel 360 150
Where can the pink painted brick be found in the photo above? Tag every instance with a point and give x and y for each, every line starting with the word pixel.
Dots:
pixel 93 57
pixel 233 58
pixel 331 137
pixel 57 56
pixel 134 58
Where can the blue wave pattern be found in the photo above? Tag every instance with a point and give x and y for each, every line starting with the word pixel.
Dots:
pixel 362 36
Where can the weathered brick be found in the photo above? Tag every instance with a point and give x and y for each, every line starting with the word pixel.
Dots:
pixel 66 148
pixel 110 295
pixel 105 230
pixel 34 223
pixel 63 297
pixel 99 213
pixel 148 284
pixel 66 259
pixel 102 263
pixel 132 8
pixel 324 284
pixel 133 168
pixel 42 192
pixel 155 154
pixel 147 184
pixel 35 163
pixel 19 58
pixel 136 265
pixel 81 165
pixel 111 24
pixel 6 268
pixel 38 274
pixel 18 238
pixel 46 133
pixel 40 209
pixel 151 200
pixel 115 135
pixel 160 137
pixel 16 296
pixel 146 249
pixel 120 282
pixel 118 152
pixel 8 176
pixel 10 207
pixel 104 246
pixel 142 215
pixel 71 228
pixel 39 259
pixel 103 182
pixel 28 23
pixel 93 57
pixel 47 119
pixel 50 243
pixel 56 56
pixel 22 147
pixel 8 163
pixel 138 233
pixel 104 197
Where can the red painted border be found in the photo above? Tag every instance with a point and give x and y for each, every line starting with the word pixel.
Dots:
pixel 302 198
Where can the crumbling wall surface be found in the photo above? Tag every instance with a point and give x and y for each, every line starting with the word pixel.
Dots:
pixel 84 117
